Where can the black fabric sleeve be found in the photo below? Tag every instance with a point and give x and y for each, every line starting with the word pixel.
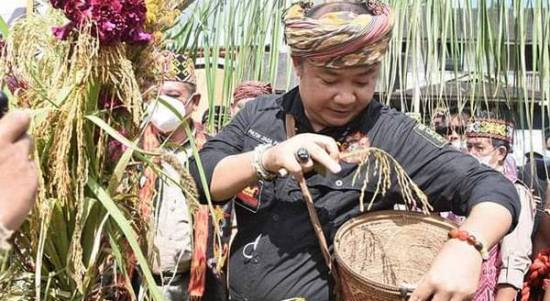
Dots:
pixel 453 181
pixel 228 142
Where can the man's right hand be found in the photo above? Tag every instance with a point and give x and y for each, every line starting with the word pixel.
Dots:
pixel 18 175
pixel 322 149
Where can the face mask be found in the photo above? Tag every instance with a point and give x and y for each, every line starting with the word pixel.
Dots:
pixel 162 115
pixel 459 144
pixel 485 160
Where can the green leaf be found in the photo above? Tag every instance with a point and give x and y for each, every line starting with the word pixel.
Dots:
pixel 116 135
pixel 120 169
pixel 129 233
pixel 4 28
pixel 117 253
pixel 62 96
pixel 93 266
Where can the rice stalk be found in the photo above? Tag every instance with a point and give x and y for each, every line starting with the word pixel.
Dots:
pixel 384 167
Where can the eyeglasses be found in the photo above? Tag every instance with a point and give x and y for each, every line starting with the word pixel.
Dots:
pixel 447 130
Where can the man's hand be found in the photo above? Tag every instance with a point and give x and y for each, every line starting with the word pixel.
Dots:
pixel 453 276
pixel 18 176
pixel 322 149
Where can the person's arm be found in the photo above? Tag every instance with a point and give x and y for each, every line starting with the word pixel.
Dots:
pixel 516 250
pixel 506 292
pixel 223 187
pixel 457 182
pixel 227 143
pixel 455 272
pixel 228 170
pixel 322 149
pixel 18 176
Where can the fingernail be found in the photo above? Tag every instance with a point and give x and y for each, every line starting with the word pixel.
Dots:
pixel 336 168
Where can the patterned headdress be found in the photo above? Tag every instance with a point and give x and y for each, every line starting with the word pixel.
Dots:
pixel 490 128
pixel 339 39
pixel 177 67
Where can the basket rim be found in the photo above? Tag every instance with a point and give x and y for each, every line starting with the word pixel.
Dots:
pixel 378 215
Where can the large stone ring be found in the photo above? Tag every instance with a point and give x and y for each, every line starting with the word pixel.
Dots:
pixel 302 155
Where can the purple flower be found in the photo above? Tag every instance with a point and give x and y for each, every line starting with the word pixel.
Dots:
pixel 109 102
pixel 58 3
pixel 115 149
pixel 140 37
pixel 116 20
pixel 15 85
pixel 62 32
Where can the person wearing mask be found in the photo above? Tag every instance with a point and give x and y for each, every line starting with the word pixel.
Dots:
pixel 489 140
pixel 165 129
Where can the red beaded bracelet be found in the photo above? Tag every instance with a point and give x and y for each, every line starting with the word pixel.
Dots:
pixel 470 239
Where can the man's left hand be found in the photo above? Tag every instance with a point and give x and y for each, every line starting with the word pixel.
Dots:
pixel 453 276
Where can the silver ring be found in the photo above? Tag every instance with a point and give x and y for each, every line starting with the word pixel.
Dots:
pixel 302 155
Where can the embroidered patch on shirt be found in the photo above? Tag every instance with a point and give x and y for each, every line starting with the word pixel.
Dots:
pixel 249 198
pixel 430 135
pixel 260 137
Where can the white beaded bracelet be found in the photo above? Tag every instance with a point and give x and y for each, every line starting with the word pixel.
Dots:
pixel 262 173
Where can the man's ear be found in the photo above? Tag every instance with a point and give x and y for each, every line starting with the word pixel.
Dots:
pixel 502 152
pixel 195 101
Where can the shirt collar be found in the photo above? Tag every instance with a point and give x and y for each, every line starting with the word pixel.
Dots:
pixel 291 103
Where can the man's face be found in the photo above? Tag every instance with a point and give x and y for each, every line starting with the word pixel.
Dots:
pixel 456 129
pixel 180 91
pixel 333 97
pixel 483 150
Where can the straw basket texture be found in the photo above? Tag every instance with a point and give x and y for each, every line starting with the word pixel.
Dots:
pixel 381 254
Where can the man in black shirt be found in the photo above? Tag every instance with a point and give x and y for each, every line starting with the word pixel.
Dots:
pixel 275 254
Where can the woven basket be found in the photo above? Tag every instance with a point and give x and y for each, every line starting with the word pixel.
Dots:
pixel 383 255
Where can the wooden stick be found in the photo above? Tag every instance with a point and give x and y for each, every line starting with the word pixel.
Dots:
pixel 315 222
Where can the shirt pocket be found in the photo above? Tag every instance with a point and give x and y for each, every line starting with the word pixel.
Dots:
pixel 336 200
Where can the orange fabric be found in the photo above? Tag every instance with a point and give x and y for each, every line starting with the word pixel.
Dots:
pixel 538 277
pixel 146 193
pixel 197 283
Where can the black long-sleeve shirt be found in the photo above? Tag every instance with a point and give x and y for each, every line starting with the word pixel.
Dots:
pixel 275 254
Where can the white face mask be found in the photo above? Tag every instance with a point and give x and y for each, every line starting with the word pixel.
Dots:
pixel 162 115
pixel 459 144
pixel 485 160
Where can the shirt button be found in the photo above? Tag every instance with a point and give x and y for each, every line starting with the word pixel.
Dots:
pixel 275 217
pixel 339 183
pixel 256 259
